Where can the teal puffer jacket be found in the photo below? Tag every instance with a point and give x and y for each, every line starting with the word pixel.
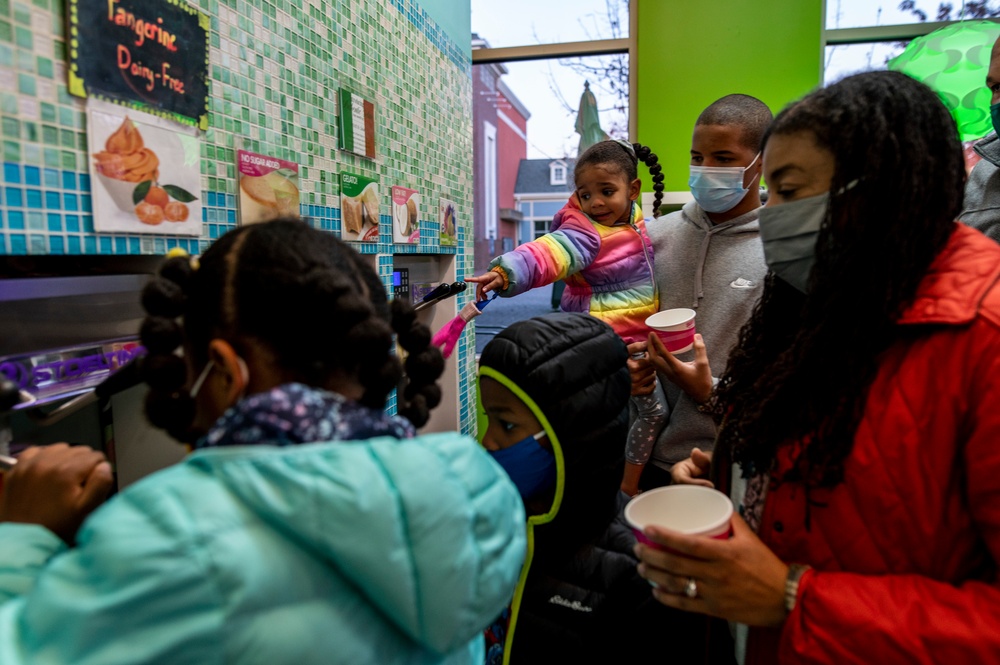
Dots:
pixel 381 551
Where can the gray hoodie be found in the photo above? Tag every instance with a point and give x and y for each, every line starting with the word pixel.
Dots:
pixel 982 191
pixel 718 271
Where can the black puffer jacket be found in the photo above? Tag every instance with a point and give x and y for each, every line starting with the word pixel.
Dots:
pixel 570 370
pixel 580 598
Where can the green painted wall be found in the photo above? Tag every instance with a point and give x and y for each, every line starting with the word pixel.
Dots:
pixel 692 53
pixel 452 16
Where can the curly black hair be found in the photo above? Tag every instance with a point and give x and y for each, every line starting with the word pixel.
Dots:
pixel 303 295
pixel 804 363
pixel 616 154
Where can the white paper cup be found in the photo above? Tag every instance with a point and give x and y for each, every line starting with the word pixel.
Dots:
pixel 689 509
pixel 675 328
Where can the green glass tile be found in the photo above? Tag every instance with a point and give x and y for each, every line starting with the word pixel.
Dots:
pixel 44 4
pixel 36 222
pixel 11 151
pixel 67 116
pixel 50 135
pixel 6 56
pixel 48 112
pixel 5 7
pixel 22 13
pixel 68 160
pixel 22 37
pixel 30 131
pixel 32 153
pixel 6 32
pixel 11 128
pixel 51 157
pixel 26 84
pixel 67 138
pixel 44 67
pixel 25 61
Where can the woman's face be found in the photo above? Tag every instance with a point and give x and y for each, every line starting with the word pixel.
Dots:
pixel 796 167
pixel 510 419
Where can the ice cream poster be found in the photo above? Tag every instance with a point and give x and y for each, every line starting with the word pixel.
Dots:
pixel 449 235
pixel 405 215
pixel 359 208
pixel 269 187
pixel 145 172
pixel 149 54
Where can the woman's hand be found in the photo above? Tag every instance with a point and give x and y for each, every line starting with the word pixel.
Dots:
pixel 490 281
pixel 739 579
pixel 694 378
pixel 641 371
pixel 693 470
pixel 55 486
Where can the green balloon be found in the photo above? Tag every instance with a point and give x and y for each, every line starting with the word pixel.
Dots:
pixel 953 62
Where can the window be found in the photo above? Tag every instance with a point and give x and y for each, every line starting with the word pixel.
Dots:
pixel 490 179
pixel 845 59
pixel 863 35
pixel 541 227
pixel 557 173
pixel 521 22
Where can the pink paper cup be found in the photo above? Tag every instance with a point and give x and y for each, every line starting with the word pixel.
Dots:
pixel 690 509
pixel 675 328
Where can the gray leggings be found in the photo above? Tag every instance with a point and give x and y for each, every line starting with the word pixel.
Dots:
pixel 652 415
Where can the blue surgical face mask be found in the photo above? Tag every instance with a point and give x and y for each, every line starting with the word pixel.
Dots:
pixel 995 116
pixel 789 233
pixel 531 467
pixel 719 188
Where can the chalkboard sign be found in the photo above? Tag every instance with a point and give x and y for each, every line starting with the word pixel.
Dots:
pixel 150 54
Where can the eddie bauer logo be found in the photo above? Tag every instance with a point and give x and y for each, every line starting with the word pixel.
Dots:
pixel 573 605
pixel 742 283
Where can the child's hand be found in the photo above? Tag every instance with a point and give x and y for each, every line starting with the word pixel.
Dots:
pixel 490 281
pixel 640 370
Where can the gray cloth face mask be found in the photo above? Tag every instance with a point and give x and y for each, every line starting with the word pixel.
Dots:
pixel 789 233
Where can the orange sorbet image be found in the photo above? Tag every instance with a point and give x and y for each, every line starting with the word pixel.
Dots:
pixel 125 157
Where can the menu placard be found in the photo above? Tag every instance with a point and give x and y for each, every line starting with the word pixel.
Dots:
pixel 149 54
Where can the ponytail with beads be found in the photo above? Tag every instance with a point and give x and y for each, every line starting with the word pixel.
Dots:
pixel 301 295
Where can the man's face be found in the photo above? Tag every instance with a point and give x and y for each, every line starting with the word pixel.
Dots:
pixel 993 74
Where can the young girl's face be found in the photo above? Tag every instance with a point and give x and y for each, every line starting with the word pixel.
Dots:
pixel 606 195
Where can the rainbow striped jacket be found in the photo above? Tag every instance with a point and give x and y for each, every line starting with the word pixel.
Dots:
pixel 608 270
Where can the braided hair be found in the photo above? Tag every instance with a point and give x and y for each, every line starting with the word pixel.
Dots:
pixel 624 157
pixel 303 296
pixel 804 364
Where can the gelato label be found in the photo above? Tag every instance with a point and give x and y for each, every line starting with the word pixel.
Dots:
pixel 359 208
pixel 352 184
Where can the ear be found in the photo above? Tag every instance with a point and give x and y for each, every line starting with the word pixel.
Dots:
pixel 634 188
pixel 233 368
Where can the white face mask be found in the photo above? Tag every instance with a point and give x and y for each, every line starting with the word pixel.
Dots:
pixel 196 387
pixel 719 188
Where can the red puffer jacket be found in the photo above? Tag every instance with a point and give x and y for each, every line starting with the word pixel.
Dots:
pixel 905 552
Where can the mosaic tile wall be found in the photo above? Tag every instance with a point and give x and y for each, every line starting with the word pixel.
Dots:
pixel 275 68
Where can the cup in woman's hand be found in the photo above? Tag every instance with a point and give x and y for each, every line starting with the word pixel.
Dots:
pixel 688 509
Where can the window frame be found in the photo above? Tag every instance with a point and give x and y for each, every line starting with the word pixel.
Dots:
pixel 504 54
pixel 875 33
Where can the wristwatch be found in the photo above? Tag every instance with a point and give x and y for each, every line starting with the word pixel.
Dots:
pixel 795 572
